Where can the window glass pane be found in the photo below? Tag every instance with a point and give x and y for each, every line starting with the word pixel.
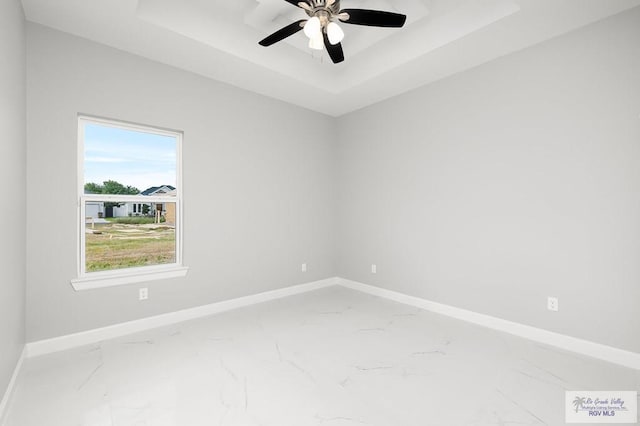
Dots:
pixel 132 162
pixel 127 160
pixel 116 238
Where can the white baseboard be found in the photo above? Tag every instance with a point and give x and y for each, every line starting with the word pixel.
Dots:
pixel 584 347
pixel 6 398
pixel 88 337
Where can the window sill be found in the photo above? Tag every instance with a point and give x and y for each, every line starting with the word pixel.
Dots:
pixel 101 280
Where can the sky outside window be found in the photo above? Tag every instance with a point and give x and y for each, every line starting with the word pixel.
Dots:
pixel 133 158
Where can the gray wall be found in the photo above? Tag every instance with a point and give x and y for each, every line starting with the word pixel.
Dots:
pixel 257 183
pixel 503 185
pixel 12 175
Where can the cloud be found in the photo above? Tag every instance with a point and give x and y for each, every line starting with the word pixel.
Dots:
pixel 106 160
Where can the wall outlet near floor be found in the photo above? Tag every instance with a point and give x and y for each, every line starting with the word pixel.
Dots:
pixel 143 293
pixel 374 269
pixel 303 268
pixel 552 304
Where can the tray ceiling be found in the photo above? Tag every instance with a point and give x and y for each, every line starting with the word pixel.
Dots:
pixel 219 39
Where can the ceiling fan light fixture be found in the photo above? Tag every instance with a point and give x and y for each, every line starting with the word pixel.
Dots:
pixel 334 33
pixel 322 30
pixel 313 28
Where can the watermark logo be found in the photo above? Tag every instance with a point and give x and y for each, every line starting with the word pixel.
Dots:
pixel 601 407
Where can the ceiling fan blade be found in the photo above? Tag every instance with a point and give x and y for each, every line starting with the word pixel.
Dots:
pixel 335 50
pixel 374 18
pixel 295 2
pixel 282 33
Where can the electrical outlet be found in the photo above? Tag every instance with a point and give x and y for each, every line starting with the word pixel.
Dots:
pixel 374 269
pixel 143 293
pixel 304 267
pixel 552 304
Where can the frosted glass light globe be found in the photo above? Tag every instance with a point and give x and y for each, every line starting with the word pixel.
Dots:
pixel 312 28
pixel 316 43
pixel 334 33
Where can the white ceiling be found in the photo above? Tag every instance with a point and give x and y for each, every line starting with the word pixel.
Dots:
pixel 219 39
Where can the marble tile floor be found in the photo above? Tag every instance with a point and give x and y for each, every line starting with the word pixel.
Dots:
pixel 332 357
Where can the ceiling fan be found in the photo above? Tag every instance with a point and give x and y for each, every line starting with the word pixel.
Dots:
pixel 322 29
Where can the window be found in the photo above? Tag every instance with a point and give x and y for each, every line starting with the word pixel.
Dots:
pixel 129 196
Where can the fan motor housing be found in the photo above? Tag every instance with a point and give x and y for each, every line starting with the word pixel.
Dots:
pixel 318 5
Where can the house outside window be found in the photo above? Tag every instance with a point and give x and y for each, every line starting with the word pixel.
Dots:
pixel 130 203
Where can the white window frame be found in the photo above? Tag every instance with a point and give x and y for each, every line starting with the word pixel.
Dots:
pixel 91 280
